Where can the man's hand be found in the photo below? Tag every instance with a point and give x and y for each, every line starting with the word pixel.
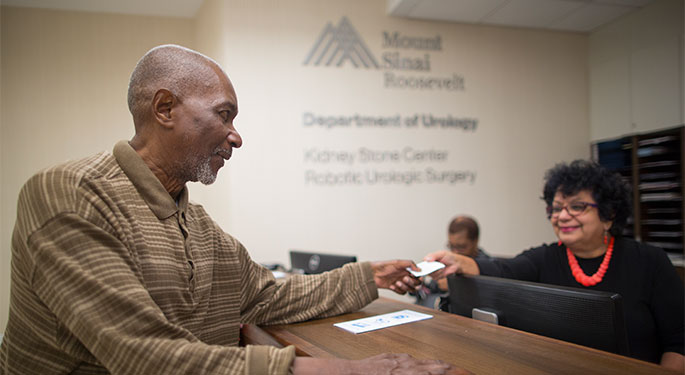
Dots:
pixel 454 263
pixel 393 275
pixel 383 364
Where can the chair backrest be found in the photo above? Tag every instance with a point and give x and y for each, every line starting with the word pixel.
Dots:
pixel 581 316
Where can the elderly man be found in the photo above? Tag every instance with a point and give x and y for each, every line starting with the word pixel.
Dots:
pixel 113 270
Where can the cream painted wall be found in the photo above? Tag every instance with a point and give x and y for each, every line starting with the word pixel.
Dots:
pixel 637 72
pixel 209 24
pixel 64 79
pixel 528 88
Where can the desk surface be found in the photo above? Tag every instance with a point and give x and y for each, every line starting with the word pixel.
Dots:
pixel 479 347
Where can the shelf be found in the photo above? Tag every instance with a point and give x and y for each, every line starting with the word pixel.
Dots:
pixel 666 234
pixel 657 140
pixel 666 245
pixel 662 163
pixel 653 165
pixel 659 185
pixel 662 222
pixel 658 175
pixel 677 259
pixel 667 210
pixel 661 197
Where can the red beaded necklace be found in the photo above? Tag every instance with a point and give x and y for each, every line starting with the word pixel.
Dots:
pixel 578 273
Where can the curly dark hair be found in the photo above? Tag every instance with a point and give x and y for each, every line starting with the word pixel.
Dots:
pixel 609 190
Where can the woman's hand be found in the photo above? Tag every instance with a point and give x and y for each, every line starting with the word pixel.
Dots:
pixel 454 263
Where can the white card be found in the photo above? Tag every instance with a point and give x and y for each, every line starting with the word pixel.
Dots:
pixel 373 323
pixel 426 268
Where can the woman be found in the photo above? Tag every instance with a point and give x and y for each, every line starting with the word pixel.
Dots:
pixel 588 206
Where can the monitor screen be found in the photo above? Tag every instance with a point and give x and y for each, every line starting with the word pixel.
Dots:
pixel 585 317
pixel 310 263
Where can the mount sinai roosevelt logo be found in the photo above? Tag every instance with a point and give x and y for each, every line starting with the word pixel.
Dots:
pixel 338 44
pixel 406 61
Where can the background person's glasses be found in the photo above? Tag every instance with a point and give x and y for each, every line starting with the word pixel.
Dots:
pixel 574 209
pixel 457 248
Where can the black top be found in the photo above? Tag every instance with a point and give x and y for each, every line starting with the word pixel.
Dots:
pixel 652 291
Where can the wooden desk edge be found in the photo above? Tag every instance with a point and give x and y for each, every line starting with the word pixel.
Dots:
pixel 280 337
pixel 251 334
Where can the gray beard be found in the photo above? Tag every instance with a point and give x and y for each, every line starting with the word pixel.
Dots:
pixel 203 172
pixel 199 169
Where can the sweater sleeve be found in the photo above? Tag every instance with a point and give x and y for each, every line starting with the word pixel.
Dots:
pixel 79 300
pixel 303 297
pixel 83 276
pixel 268 359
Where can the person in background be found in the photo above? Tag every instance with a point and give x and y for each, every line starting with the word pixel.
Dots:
pixel 462 238
pixel 115 271
pixel 588 206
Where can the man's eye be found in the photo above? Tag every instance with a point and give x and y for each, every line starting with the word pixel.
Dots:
pixel 224 115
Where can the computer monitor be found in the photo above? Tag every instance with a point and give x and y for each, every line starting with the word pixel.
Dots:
pixel 311 263
pixel 585 317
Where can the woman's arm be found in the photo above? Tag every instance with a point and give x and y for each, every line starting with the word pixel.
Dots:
pixel 454 263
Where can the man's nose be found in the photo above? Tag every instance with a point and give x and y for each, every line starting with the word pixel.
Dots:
pixel 234 139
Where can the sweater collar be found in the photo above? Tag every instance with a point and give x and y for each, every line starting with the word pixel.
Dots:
pixel 147 184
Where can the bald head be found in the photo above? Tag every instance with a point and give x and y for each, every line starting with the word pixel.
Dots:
pixel 177 69
pixel 464 223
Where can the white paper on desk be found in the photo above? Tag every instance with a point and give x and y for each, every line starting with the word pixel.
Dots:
pixel 373 323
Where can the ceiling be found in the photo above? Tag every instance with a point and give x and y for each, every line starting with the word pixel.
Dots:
pixel 165 8
pixel 565 15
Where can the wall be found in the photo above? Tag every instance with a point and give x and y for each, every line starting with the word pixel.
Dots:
pixel 64 77
pixel 64 81
pixel 636 72
pixel 209 34
pixel 527 88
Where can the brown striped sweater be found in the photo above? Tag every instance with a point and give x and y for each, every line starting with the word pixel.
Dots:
pixel 110 275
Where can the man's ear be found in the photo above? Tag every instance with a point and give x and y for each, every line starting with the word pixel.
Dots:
pixel 162 103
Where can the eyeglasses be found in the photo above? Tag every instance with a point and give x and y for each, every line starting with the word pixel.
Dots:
pixel 457 248
pixel 574 209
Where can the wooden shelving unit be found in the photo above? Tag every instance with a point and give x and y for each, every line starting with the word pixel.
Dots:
pixel 660 188
pixel 654 165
